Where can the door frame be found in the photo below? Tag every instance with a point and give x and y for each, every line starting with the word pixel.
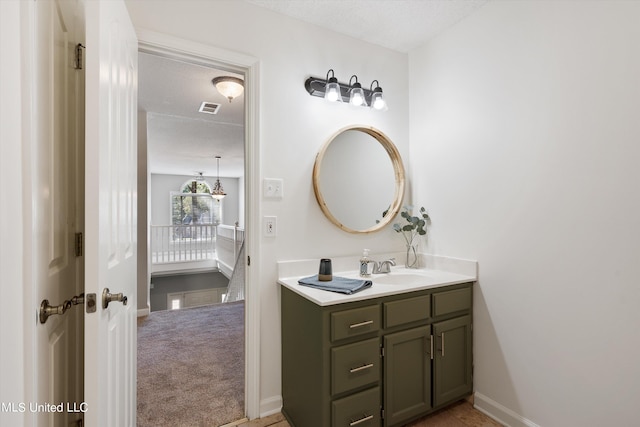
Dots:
pixel 175 48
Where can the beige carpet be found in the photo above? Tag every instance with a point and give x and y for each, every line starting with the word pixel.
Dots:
pixel 191 366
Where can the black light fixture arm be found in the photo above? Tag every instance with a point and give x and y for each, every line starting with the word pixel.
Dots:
pixel 356 84
pixel 316 87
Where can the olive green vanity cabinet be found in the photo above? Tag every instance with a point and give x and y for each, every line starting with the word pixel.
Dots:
pixel 407 377
pixel 378 362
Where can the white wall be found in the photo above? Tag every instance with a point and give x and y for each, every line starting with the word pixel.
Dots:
pixel 293 127
pixel 525 144
pixel 163 185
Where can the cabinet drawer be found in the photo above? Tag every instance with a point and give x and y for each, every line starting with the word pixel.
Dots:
pixel 355 365
pixel 354 322
pixel 451 301
pixel 360 409
pixel 406 311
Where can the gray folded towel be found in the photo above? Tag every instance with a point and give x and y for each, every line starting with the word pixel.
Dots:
pixel 342 285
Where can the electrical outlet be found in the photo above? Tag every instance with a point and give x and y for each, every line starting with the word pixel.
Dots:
pixel 270 226
pixel 272 188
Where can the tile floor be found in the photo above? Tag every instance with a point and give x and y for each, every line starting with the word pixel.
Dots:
pixel 461 414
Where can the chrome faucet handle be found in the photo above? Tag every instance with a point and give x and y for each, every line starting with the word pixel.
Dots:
pixel 384 266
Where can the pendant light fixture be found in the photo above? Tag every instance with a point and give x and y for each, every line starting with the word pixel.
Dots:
pixel 194 183
pixel 218 192
pixel 229 87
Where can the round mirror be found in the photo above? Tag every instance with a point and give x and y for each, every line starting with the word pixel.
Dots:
pixel 358 179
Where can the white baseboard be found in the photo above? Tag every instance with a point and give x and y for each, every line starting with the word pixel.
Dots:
pixel 270 406
pixel 500 413
pixel 236 423
pixel 143 312
pixel 225 269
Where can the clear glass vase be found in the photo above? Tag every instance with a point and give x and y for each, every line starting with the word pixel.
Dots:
pixel 412 257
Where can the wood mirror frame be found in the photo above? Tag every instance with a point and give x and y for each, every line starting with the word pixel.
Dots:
pixel 398 172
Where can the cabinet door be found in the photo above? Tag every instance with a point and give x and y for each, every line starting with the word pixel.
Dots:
pixel 452 360
pixel 407 374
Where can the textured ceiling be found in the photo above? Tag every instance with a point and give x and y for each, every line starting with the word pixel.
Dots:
pixel 400 25
pixel 181 140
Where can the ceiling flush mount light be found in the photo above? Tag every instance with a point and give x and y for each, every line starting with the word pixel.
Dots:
pixel 334 91
pixel 229 87
pixel 218 192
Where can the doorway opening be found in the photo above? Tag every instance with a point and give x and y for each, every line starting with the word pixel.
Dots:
pixel 191 345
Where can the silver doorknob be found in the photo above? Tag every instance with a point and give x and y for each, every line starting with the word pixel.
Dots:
pixel 108 297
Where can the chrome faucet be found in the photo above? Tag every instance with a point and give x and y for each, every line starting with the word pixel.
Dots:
pixel 383 266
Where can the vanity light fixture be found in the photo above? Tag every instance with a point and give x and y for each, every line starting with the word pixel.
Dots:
pixel 334 91
pixel 229 87
pixel 377 100
pixel 218 192
pixel 356 94
pixel 332 88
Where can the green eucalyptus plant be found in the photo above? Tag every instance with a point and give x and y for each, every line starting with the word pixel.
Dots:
pixel 414 226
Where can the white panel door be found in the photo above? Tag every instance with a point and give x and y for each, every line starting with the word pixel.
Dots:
pixel 56 212
pixel 110 217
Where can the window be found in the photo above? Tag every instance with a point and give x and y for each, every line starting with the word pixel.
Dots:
pixel 195 207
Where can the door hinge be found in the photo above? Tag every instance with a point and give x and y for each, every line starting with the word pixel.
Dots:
pixel 248 260
pixel 78 56
pixel 78 244
pixel 382 413
pixel 381 351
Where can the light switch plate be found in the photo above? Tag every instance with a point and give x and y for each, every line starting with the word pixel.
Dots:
pixel 272 188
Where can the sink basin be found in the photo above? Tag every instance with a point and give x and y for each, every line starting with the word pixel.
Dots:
pixel 399 278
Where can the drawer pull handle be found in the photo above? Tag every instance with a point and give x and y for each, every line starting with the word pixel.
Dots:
pixel 361 368
pixel 431 350
pixel 361 420
pixel 358 325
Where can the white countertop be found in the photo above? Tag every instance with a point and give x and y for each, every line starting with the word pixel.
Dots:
pixel 400 280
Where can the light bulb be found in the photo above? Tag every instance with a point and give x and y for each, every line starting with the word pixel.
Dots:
pixel 378 103
pixel 332 92
pixel 377 100
pixel 357 98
